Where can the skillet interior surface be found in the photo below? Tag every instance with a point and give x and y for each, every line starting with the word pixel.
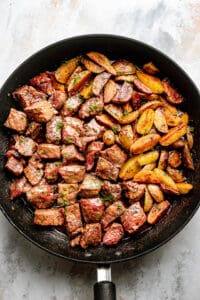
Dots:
pixel 183 208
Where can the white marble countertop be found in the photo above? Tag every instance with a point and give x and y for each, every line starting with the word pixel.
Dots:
pixel 169 273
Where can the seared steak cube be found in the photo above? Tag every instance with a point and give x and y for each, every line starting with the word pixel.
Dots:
pixel 93 129
pixel 16 120
pixel 133 218
pixel 43 82
pixel 33 129
pixel 49 217
pixel 106 170
pixel 75 241
pixel 71 106
pixel 49 151
pixel 75 123
pixel 25 146
pixel 91 107
pixel 134 191
pixel 92 150
pixel 41 196
pixel 73 220
pixel 51 170
pixel 70 153
pixel 91 235
pixel 27 95
pixel 90 187
pixel 67 193
pixel 33 174
pixel 18 187
pixel 114 233
pixel 72 173
pixel 57 99
pixel 14 166
pixel 111 192
pixel 40 112
pixel 70 135
pixel 54 129
pixel 92 209
pixel 112 212
pixel 114 155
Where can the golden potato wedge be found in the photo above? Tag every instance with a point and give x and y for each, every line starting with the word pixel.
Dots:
pixel 91 66
pixel 127 108
pixel 148 158
pixel 78 81
pixel 173 96
pixel 178 144
pixel 86 92
pixel 130 168
pixel 99 82
pixel 146 176
pixel 176 175
pixel 66 69
pixel 149 167
pixel 168 106
pixel 102 60
pixel 109 122
pixel 157 212
pixel 171 119
pixel 115 111
pixel 144 143
pixel 58 86
pixel 160 121
pixel 123 67
pixel 173 135
pixel 129 118
pixel 150 105
pixel 73 75
pixel 162 163
pixel 166 180
pixel 174 159
pixel 184 187
pixel 148 201
pixel 110 91
pixel 151 82
pixel 156 192
pixel 184 118
pixel 126 136
pixel 187 157
pixel 150 68
pixel 190 139
pixel 145 122
pixel 109 137
pixel 141 87
pixel 128 78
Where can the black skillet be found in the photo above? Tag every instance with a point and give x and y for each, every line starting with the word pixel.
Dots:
pixel 183 208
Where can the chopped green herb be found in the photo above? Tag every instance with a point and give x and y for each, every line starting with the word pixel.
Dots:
pixel 115 129
pixel 125 112
pixel 106 196
pixel 44 152
pixel 69 140
pixel 93 108
pixel 191 129
pixel 59 125
pixel 133 190
pixel 76 79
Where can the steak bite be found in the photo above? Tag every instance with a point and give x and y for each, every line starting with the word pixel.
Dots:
pixel 114 233
pixel 133 218
pixel 51 170
pixel 33 129
pixel 91 235
pixel 91 107
pixel 93 129
pixel 16 120
pixel 54 129
pixel 18 187
pixel 72 173
pixel 14 166
pixel 67 193
pixel 71 106
pixel 75 123
pixel 49 151
pixel 57 99
pixel 70 135
pixel 73 220
pixel 70 153
pixel 40 112
pixel 27 95
pixel 92 150
pixel 134 191
pixel 25 146
pixel 41 196
pixel 43 82
pixel 33 174
pixel 106 170
pixel 75 241
pixel 114 155
pixel 90 187
pixel 49 217
pixel 111 192
pixel 92 209
pixel 112 212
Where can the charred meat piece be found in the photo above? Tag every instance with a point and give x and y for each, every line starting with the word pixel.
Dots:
pixel 70 135
pixel 71 106
pixel 35 160
pixel 54 130
pixel 41 196
pixel 115 155
pixel 173 96
pixel 43 82
pixel 75 241
pixel 174 159
pixel 112 212
pixel 92 209
pixel 106 170
pixel 91 107
pixel 33 129
pixel 14 166
pixel 93 129
pixel 49 151
pixel 58 99
pixel 90 187
pixel 133 218
pixel 49 217
pixel 72 173
pixel 18 187
pixel 70 153
pixel 92 150
pixel 134 191
pixel 136 100
pixel 51 170
pixel 27 95
pixel 84 141
pixel 40 112
pixel 75 123
pixel 176 175
pixel 33 174
pixel 67 193
pixel 91 235
pixel 73 220
pixel 187 157
pixel 25 146
pixel 99 82
pixel 16 120
pixel 114 233
pixel 110 192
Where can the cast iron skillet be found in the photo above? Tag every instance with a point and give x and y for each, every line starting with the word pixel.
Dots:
pixel 19 213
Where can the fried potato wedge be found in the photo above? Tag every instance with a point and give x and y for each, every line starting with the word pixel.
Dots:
pixel 171 119
pixel 126 136
pixel 168 106
pixel 124 93
pixel 174 159
pixel 166 180
pixel 178 144
pixel 91 66
pixel 150 105
pixel 148 201
pixel 127 108
pixel 115 111
pixel 58 86
pixel 144 143
pixel 63 73
pixel 130 168
pixel 129 118
pixel 146 176
pixel 176 175
pixel 103 61
pixel 99 82
pixel 127 78
pixel 148 158
pixel 173 135
pixel 162 163
pixel 173 96
pixel 151 82
pixel 87 91
pixel 110 91
pixel 106 120
pixel 109 137
pixel 141 87
pixel 145 122
pixel 150 68
pixel 149 167
pixel 190 138
pixel 124 67
pixel 157 211
pixel 187 157
pixel 184 187
pixel 156 192
pixel 78 81
pixel 160 121
pixel 184 118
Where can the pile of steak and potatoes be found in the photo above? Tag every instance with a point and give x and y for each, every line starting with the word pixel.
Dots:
pixel 97 147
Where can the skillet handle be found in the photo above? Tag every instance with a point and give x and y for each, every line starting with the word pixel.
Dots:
pixel 104 288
